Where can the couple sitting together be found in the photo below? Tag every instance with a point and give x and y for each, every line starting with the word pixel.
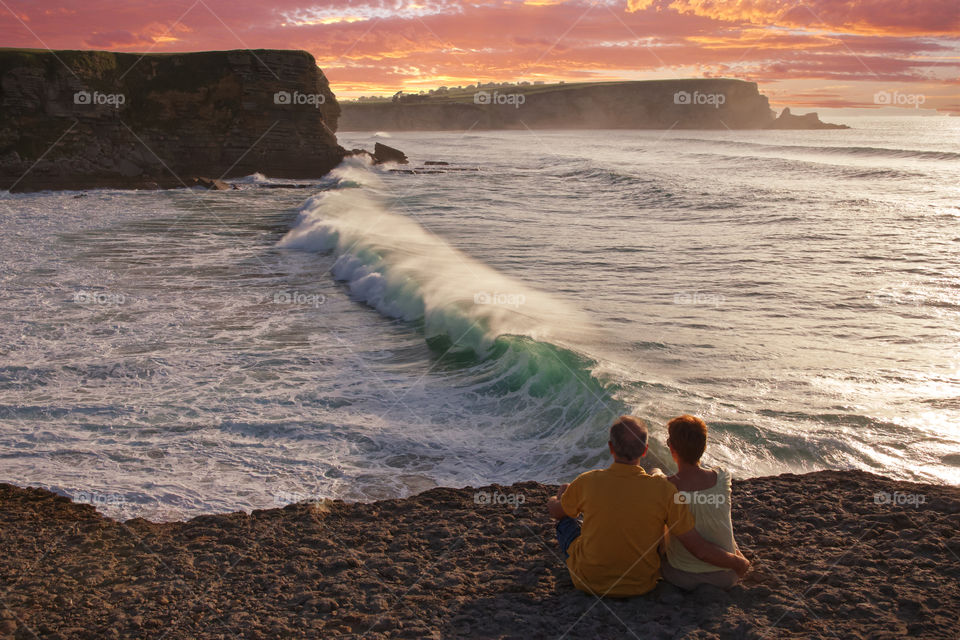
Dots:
pixel 637 527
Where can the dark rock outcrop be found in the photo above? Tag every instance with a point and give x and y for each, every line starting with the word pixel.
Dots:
pixel 807 121
pixel 382 153
pixel 88 119
pixel 702 103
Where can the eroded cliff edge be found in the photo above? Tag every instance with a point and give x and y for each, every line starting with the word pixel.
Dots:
pixel 88 119
pixel 697 103
pixel 836 554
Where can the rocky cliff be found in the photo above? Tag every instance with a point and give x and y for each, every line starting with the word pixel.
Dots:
pixel 705 103
pixel 788 120
pixel 84 119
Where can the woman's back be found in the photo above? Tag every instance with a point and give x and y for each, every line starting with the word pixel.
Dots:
pixel 710 507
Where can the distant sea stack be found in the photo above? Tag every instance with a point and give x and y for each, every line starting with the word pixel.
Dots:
pixel 806 121
pixel 705 103
pixel 88 119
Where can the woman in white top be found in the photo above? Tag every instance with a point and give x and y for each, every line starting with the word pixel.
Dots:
pixel 707 494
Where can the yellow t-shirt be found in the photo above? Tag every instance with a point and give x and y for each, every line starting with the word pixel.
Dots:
pixel 624 512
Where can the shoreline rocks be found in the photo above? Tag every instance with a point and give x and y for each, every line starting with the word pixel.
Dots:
pixel 98 119
pixel 835 554
pixel 806 121
pixel 381 154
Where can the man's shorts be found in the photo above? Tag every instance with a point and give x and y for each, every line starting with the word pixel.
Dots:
pixel 567 531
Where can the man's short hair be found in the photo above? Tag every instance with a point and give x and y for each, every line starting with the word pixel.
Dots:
pixel 688 437
pixel 628 436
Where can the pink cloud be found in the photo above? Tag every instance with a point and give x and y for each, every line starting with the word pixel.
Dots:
pixel 114 39
pixel 380 46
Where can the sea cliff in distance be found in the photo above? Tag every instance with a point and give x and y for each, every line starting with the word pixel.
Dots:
pixel 89 119
pixel 700 103
pixel 99 119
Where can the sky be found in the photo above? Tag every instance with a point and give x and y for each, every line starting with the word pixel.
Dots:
pixel 817 53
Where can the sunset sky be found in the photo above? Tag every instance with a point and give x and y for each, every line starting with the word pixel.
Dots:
pixel 821 53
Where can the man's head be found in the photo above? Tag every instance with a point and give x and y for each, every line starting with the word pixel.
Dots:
pixel 687 438
pixel 628 438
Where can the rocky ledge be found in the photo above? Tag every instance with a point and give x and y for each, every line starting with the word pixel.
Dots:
pixel 88 119
pixel 695 103
pixel 835 555
pixel 788 120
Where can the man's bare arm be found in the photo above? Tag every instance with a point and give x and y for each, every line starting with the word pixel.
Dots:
pixel 554 506
pixel 712 554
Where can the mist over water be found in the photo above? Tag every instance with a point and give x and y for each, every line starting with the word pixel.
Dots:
pixel 168 354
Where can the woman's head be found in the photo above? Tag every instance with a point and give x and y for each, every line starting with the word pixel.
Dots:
pixel 687 438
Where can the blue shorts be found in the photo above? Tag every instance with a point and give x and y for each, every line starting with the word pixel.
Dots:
pixel 567 531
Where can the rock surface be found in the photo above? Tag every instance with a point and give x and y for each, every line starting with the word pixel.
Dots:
pixel 88 119
pixel 835 555
pixel 704 103
pixel 382 153
pixel 806 121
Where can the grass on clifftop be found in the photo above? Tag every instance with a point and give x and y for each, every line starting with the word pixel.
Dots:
pixel 466 94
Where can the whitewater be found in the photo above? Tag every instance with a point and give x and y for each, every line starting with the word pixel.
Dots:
pixel 165 354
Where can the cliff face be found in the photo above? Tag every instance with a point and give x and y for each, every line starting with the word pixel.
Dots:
pixel 84 119
pixel 655 104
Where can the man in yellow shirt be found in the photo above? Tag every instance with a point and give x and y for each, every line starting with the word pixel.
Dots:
pixel 625 514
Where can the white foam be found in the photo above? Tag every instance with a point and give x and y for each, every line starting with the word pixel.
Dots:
pixel 402 269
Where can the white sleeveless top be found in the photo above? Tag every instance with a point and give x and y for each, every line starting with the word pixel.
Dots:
pixel 710 509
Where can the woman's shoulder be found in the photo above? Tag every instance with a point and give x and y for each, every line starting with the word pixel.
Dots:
pixel 724 479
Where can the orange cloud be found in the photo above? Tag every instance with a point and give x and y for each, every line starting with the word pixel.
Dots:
pixel 381 46
pixel 903 17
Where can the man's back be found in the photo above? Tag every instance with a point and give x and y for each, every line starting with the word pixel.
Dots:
pixel 624 512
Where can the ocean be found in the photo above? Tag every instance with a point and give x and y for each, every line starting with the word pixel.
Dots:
pixel 167 354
